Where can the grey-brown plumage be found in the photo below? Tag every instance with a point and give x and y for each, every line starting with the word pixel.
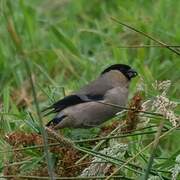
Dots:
pixel 88 107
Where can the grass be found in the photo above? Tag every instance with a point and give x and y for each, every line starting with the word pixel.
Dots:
pixel 68 43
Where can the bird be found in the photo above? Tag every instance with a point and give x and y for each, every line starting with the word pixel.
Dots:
pixel 91 105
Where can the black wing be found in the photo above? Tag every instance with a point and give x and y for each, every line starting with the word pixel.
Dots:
pixel 70 101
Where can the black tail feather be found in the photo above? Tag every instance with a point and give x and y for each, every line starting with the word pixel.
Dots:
pixel 55 121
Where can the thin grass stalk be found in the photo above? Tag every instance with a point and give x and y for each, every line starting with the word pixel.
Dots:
pixel 108 158
pixel 17 41
pixel 137 154
pixel 114 137
pixel 147 35
pixel 62 178
pixel 77 141
pixel 68 143
pixel 154 172
pixel 154 147
pixel 130 109
pixel 45 74
pixel 44 135
pixel 100 143
pixel 149 46
pixel 30 147
pixel 116 161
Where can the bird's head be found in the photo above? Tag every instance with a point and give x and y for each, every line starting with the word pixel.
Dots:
pixel 124 69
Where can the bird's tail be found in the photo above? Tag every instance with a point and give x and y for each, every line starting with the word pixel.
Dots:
pixel 55 121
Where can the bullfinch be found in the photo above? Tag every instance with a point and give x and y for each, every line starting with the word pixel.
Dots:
pixel 89 107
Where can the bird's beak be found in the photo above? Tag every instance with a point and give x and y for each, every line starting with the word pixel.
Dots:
pixel 132 73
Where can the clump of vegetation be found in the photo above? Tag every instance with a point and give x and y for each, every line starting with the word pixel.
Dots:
pixel 50 48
